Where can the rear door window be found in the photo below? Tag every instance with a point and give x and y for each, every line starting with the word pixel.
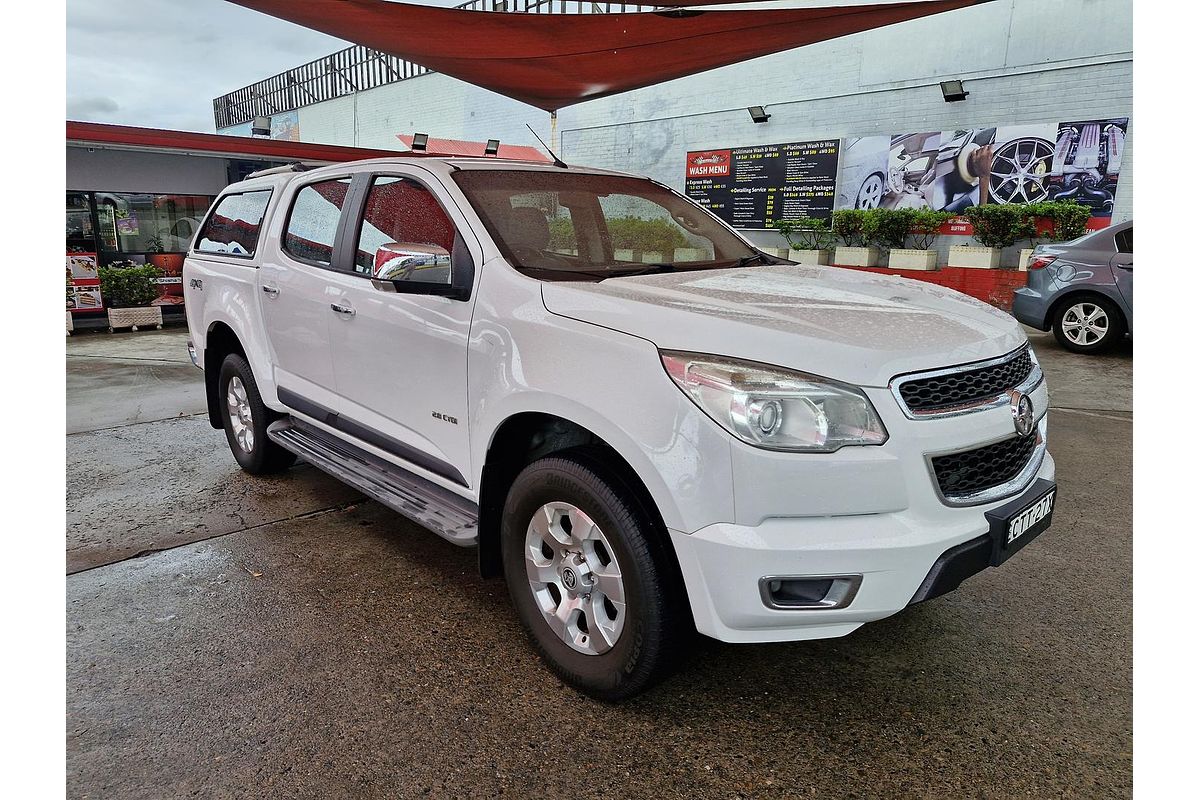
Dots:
pixel 1124 241
pixel 234 224
pixel 313 221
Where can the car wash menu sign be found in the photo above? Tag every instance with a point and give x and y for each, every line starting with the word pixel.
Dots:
pixel 753 187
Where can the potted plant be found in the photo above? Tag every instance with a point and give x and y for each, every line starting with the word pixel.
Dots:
pixel 1052 221
pixel 996 227
pixel 128 289
pixel 924 226
pixel 808 239
pixel 854 251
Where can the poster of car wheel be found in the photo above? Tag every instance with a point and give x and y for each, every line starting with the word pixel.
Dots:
pixel 952 170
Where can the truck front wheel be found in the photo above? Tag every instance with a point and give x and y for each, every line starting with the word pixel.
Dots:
pixel 246 419
pixel 591 578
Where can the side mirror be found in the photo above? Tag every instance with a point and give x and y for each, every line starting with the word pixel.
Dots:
pixel 410 261
pixel 419 268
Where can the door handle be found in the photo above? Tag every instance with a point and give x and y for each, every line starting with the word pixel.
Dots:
pixel 271 290
pixel 349 312
pixel 1127 267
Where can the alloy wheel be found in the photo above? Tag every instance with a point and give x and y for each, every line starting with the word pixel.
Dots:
pixel 240 418
pixel 574 577
pixel 1085 324
pixel 1019 171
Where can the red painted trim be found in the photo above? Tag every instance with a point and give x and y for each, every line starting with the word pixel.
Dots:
pixel 233 146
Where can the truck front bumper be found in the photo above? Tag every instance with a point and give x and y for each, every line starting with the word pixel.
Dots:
pixel 874 565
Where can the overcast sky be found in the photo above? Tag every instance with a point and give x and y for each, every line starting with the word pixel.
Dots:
pixel 160 63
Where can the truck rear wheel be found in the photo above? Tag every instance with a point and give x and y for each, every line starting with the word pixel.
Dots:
pixel 591 578
pixel 246 418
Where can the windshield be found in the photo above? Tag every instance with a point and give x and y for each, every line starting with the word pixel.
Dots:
pixel 565 225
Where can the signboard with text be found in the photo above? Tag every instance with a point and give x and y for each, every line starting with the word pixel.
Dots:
pixel 754 187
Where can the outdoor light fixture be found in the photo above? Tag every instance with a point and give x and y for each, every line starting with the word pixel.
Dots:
pixel 493 147
pixel 420 142
pixel 758 113
pixel 953 91
pixel 261 126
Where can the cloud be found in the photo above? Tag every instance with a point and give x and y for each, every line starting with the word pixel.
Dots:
pixel 160 64
pixel 91 107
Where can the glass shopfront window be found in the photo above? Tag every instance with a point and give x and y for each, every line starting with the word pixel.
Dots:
pixel 149 223
pixel 126 228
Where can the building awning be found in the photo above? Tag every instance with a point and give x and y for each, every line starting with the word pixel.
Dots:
pixel 125 137
pixel 555 60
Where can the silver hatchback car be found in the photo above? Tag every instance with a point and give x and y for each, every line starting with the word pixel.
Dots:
pixel 1083 289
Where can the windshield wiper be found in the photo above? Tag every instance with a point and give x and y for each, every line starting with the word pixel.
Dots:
pixel 645 269
pixel 573 272
pixel 748 260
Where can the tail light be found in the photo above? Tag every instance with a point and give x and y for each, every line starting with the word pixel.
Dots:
pixel 1040 262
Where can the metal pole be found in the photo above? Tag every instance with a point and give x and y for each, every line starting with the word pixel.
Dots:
pixel 554 130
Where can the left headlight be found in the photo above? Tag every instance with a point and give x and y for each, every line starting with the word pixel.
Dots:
pixel 776 408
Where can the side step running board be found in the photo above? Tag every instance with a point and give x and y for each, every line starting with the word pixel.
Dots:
pixel 445 513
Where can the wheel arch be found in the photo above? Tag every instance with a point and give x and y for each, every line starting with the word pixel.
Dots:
pixel 219 341
pixel 1073 296
pixel 526 437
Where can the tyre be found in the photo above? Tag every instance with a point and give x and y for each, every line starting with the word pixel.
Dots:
pixel 1088 325
pixel 593 581
pixel 246 419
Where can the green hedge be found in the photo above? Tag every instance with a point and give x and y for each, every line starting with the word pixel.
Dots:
pixel 645 235
pixel 1005 225
pixel 124 284
pixel 626 233
pixel 805 233
pixel 995 225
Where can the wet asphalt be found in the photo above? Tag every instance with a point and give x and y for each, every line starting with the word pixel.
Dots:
pixel 231 636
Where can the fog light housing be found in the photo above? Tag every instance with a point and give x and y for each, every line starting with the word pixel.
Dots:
pixel 800 593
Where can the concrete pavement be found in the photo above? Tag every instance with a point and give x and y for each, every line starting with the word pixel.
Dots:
pixel 285 637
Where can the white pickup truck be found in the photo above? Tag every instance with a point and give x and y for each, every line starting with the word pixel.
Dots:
pixel 646 424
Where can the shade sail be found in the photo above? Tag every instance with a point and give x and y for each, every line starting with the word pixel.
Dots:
pixel 554 60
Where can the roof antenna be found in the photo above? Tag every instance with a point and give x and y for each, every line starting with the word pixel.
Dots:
pixel 558 162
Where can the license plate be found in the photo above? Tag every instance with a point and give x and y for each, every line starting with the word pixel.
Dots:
pixel 1016 524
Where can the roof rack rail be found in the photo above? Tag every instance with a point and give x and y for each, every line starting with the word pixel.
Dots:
pixel 295 166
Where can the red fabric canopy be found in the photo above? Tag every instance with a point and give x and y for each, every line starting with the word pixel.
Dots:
pixel 555 60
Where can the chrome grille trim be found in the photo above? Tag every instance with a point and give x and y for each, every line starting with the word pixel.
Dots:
pixel 1000 399
pixel 1001 491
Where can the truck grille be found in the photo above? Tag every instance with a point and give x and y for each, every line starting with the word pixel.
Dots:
pixel 962 474
pixel 946 390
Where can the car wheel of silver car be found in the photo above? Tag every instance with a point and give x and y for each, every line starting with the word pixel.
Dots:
pixel 246 418
pixel 592 576
pixel 1088 325
pixel 870 194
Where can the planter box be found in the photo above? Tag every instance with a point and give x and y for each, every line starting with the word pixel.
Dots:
pixel 70 323
pixel 856 256
pixel 142 316
pixel 1026 254
pixel 781 252
pixel 651 257
pixel 690 254
pixel 912 259
pixel 623 255
pixel 974 257
pixel 813 257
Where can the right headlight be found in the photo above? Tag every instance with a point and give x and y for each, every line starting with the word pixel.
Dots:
pixel 776 408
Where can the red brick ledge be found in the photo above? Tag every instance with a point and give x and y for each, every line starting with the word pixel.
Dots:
pixel 994 286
